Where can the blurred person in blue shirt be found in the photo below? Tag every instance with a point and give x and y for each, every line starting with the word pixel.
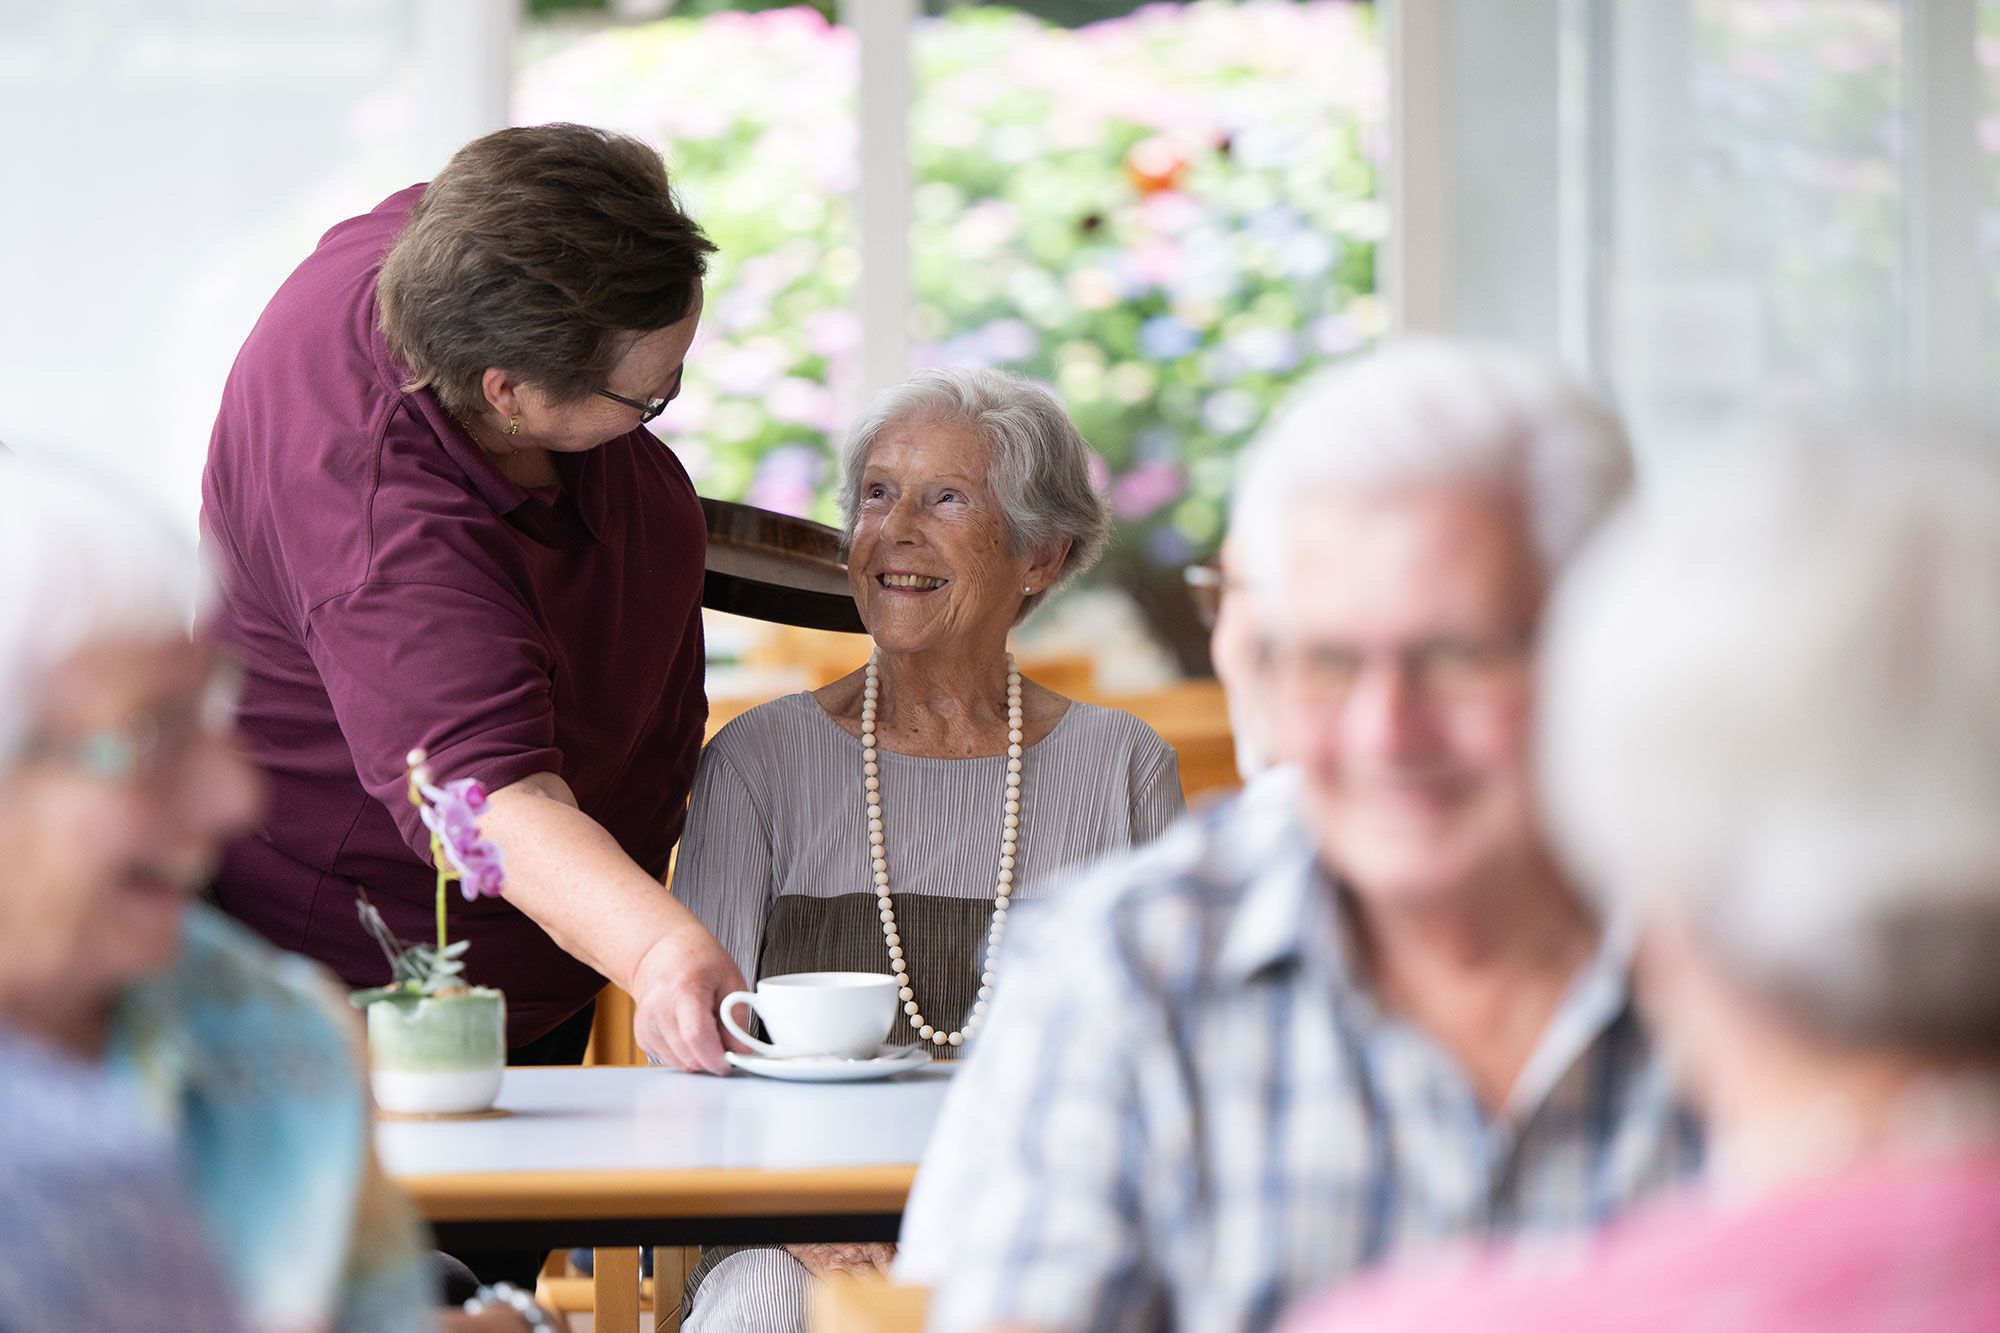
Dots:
pixel 186 1135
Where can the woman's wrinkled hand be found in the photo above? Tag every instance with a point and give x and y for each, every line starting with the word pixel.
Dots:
pixel 678 987
pixel 826 1260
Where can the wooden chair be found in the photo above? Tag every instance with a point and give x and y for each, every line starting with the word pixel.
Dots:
pixel 611 1040
pixel 607 1294
pixel 848 1303
pixel 821 656
pixel 1193 717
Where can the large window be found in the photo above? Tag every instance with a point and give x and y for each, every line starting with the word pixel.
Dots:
pixel 1169 213
pixel 1169 216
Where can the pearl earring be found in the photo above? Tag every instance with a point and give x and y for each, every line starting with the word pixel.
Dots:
pixel 1026 589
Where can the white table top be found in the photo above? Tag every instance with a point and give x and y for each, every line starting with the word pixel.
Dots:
pixel 639 1119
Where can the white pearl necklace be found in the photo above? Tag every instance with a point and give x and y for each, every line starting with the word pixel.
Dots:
pixel 1003 886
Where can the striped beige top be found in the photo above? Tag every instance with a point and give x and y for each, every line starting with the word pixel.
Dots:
pixel 774 859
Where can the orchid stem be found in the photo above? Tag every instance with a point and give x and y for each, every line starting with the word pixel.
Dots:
pixel 437 859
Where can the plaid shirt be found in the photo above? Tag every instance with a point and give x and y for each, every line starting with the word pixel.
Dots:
pixel 1186 1112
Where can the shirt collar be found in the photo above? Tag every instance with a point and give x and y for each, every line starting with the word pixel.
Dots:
pixel 534 513
pixel 1289 913
pixel 1600 995
pixel 582 474
pixel 1286 912
pixel 583 477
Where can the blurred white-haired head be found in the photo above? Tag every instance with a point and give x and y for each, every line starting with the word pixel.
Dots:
pixel 1430 411
pixel 1771 717
pixel 81 561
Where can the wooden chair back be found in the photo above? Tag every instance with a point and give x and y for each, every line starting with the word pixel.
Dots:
pixel 848 1303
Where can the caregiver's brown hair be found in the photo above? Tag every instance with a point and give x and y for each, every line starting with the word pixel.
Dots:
pixel 544 251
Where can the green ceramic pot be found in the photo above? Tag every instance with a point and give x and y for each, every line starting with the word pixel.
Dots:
pixel 440 1055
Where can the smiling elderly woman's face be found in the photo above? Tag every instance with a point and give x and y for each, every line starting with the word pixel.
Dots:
pixel 113 816
pixel 931 559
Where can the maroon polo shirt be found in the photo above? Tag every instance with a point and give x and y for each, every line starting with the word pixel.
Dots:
pixel 387 588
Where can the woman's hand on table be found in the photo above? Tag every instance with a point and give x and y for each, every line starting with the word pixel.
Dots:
pixel 826 1260
pixel 679 987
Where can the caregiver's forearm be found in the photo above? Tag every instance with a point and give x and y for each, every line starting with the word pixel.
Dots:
pixel 569 874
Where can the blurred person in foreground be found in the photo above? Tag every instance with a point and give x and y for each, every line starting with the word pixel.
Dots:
pixel 443 524
pixel 1359 1010
pixel 184 1131
pixel 1772 730
pixel 896 819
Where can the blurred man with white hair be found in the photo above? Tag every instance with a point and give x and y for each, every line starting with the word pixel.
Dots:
pixel 1772 734
pixel 1360 1009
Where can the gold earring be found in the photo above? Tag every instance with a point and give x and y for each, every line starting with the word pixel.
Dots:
pixel 513 425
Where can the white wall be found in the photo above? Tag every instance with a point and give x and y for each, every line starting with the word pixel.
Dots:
pixel 168 163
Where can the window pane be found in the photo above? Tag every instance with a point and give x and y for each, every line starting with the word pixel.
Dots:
pixel 1169 215
pixel 1762 205
pixel 1989 194
pixel 755 113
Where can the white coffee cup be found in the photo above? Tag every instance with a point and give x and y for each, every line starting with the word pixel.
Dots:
pixel 818 1013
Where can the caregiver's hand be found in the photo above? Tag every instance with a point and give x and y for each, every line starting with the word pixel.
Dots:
pixel 571 876
pixel 678 988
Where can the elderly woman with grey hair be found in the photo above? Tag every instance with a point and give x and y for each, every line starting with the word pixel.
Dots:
pixel 1771 729
pixel 886 822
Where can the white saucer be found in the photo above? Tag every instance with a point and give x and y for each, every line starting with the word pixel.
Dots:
pixel 832 1068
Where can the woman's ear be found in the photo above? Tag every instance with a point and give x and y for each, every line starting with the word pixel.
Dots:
pixel 1046 567
pixel 502 391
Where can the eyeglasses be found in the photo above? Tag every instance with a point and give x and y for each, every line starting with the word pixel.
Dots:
pixel 1206 584
pixel 647 408
pixel 1444 670
pixel 150 743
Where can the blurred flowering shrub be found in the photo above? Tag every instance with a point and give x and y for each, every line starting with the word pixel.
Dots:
pixel 755 115
pixel 1169 216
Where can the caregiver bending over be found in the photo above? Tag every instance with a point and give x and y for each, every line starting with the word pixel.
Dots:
pixel 888 821
pixel 442 524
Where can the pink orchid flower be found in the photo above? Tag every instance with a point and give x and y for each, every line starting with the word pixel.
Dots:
pixel 451 813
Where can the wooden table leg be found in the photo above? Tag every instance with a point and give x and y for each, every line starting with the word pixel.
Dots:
pixel 615 1291
pixel 671 1265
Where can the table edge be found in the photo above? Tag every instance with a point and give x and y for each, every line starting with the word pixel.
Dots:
pixel 691 1193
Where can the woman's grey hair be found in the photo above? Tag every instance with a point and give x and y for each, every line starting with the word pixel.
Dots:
pixel 1039 467
pixel 85 562
pixel 1771 714
pixel 1431 411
